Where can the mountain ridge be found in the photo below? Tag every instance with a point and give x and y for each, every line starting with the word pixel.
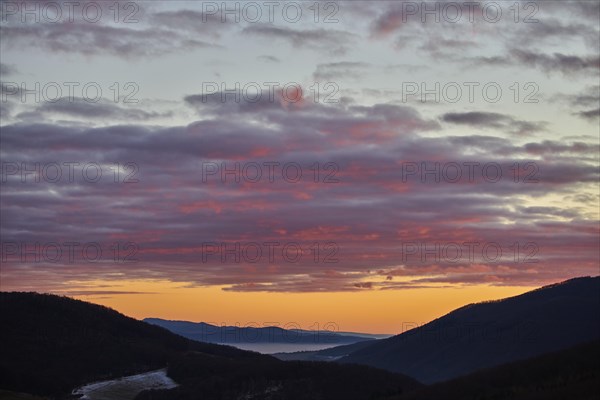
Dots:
pixel 485 334
pixel 209 333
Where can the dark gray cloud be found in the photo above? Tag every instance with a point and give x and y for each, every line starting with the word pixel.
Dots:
pixel 590 115
pixel 550 147
pixel 490 61
pixel 557 61
pixel 266 58
pixel 549 63
pixel 7 70
pixel 96 39
pixel 583 10
pixel 340 70
pixel 494 120
pixel 187 21
pixel 324 40
pixel 82 108
pixel 551 30
pixel 98 292
pixel 588 98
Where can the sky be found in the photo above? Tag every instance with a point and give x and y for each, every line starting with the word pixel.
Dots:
pixel 371 165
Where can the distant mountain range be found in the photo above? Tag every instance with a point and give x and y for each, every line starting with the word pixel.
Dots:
pixel 270 334
pixel 487 334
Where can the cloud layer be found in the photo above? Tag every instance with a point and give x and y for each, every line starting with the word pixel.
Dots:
pixel 285 190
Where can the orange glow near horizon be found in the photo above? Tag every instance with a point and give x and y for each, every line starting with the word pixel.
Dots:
pixel 370 311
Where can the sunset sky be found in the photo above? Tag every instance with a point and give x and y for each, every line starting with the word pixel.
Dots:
pixel 285 167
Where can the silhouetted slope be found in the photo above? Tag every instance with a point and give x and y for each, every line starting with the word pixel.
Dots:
pixel 217 378
pixel 492 333
pixel 204 332
pixel 51 344
pixel 572 374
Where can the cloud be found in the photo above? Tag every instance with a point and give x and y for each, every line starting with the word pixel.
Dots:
pixel 96 39
pixel 375 174
pixel 587 98
pixel 490 61
pixel 590 115
pixel 541 44
pixel 7 70
pixel 494 120
pixel 81 108
pixel 359 209
pixel 98 292
pixel 324 40
pixel 557 61
pixel 187 21
pixel 550 147
pixel 339 70
pixel 247 102
pixel 269 59
pixel 392 19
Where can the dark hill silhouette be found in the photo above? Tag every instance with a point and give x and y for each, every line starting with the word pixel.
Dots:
pixel 567 374
pixel 51 344
pixel 492 333
pixel 206 377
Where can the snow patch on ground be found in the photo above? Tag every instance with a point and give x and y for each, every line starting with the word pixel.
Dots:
pixel 126 388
